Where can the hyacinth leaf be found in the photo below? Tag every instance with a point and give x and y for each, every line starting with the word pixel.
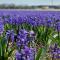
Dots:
pixel 8 26
pixel 43 54
pixel 27 27
pixel 38 54
pixel 43 35
pixel 40 34
pixel 4 43
pixel 57 40
pixel 10 51
pixel 2 48
pixel 3 53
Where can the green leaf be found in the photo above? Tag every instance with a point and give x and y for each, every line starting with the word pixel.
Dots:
pixel 3 46
pixel 10 52
pixel 39 54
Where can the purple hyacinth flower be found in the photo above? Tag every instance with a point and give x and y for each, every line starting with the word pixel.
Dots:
pixel 10 34
pixel 18 56
pixel 18 43
pixel 26 49
pixel 55 52
pixel 1 27
pixel 58 26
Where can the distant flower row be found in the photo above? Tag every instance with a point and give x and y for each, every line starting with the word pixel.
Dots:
pixel 50 21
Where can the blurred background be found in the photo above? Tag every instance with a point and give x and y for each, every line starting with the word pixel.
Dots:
pixel 29 4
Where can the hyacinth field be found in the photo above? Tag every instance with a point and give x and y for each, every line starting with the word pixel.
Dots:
pixel 29 35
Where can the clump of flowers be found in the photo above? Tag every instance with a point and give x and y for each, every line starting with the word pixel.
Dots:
pixel 25 48
pixel 55 51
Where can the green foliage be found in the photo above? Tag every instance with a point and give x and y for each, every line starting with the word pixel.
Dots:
pixel 5 52
pixel 38 54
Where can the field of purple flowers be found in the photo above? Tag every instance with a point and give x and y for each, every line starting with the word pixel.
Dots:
pixel 29 35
